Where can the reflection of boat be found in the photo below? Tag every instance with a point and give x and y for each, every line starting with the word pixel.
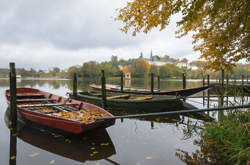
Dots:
pixel 179 92
pixel 93 145
pixel 58 112
pixel 130 102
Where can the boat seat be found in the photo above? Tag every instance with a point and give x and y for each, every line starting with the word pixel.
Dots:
pixel 33 100
pixel 118 96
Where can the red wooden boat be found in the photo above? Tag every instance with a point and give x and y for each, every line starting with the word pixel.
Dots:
pixel 58 112
pixel 179 92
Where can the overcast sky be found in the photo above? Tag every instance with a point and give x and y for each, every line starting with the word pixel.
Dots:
pixel 45 33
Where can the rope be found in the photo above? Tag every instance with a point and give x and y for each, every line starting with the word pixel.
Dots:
pixel 176 112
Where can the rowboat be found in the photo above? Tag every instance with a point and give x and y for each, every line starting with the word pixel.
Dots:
pixel 58 112
pixel 130 102
pixel 124 104
pixel 79 148
pixel 178 93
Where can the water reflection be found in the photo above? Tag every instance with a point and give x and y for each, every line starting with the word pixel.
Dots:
pixel 91 146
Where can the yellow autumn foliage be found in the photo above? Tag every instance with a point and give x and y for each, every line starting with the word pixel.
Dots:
pixel 220 28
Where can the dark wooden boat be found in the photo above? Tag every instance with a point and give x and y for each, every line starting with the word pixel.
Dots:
pixel 58 112
pixel 124 104
pixel 79 148
pixel 178 93
pixel 131 102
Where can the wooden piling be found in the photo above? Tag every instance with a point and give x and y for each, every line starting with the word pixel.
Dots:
pixel 242 89
pixel 13 113
pixel 152 124
pixel 159 81
pixel 242 80
pixel 183 80
pixel 75 85
pixel 222 77
pixel 13 149
pixel 13 105
pixel 203 93
pixel 121 81
pixel 208 92
pixel 227 89
pixel 104 98
pixel 152 82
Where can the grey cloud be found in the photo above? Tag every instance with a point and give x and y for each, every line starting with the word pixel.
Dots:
pixel 63 23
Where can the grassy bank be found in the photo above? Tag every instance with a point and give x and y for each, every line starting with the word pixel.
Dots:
pixel 222 142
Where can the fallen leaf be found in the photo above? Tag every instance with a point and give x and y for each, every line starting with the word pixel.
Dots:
pixel 12 157
pixel 52 162
pixel 33 155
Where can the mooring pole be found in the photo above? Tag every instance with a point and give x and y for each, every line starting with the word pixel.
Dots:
pixel 104 99
pixel 208 92
pixel 227 86
pixel 242 88
pixel 159 81
pixel 13 106
pixel 183 80
pixel 152 82
pixel 152 124
pixel 203 93
pixel 75 85
pixel 121 81
pixel 222 77
pixel 242 80
pixel 13 113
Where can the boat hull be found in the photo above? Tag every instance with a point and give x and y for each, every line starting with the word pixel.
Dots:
pixel 67 125
pixel 177 93
pixel 163 103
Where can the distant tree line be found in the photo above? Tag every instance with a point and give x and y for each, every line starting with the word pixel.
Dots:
pixel 138 68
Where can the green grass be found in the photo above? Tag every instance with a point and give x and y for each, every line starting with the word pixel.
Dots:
pixel 228 139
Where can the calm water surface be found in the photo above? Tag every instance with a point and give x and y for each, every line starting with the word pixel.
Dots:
pixel 151 141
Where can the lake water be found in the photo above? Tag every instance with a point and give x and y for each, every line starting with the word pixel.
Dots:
pixel 147 141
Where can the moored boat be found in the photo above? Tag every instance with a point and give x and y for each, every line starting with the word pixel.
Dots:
pixel 59 112
pixel 124 104
pixel 131 102
pixel 179 92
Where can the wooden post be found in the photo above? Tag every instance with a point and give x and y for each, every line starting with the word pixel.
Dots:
pixel 227 86
pixel 152 82
pixel 242 80
pixel 159 81
pixel 13 113
pixel 183 80
pixel 242 89
pixel 74 85
pixel 208 92
pixel 203 93
pixel 13 106
pixel 104 99
pixel 152 124
pixel 13 153
pixel 222 77
pixel 121 81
